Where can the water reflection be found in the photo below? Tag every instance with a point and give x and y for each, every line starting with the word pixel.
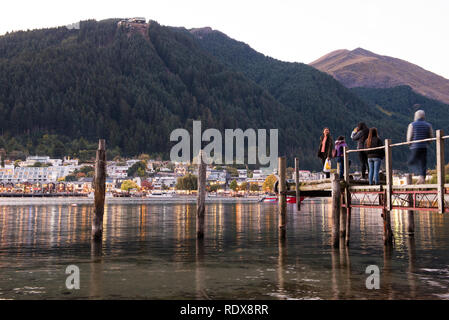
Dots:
pixel 151 251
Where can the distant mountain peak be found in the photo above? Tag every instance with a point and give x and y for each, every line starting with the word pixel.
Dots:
pixel 364 52
pixel 363 68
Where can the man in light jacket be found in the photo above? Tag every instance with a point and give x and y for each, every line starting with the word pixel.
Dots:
pixel 418 130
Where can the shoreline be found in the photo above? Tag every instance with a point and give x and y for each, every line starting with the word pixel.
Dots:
pixel 121 200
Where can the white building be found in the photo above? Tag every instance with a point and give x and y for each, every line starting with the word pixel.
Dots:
pixel 160 181
pixel 217 176
pixel 117 172
pixel 243 173
pixel 31 160
pixel 70 162
pixel 34 174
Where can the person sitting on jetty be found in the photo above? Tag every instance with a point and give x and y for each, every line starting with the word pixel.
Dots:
pixel 340 143
pixel 419 130
pixel 326 147
pixel 374 156
pixel 360 134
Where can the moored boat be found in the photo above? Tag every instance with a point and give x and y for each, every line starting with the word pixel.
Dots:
pixel 290 199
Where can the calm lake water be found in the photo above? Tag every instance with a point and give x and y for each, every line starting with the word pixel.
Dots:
pixel 150 252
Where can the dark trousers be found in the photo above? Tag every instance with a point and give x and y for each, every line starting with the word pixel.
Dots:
pixel 418 161
pixel 363 163
pixel 340 161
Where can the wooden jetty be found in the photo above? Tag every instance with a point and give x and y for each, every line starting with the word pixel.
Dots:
pixel 348 193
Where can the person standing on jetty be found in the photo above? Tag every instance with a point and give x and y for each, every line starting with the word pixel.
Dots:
pixel 374 156
pixel 326 147
pixel 418 130
pixel 360 134
pixel 339 155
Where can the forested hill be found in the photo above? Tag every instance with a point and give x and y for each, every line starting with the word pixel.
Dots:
pixel 101 81
pixel 61 90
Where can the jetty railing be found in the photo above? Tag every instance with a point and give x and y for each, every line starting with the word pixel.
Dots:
pixel 439 139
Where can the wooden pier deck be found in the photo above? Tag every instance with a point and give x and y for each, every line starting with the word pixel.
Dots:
pixel 348 193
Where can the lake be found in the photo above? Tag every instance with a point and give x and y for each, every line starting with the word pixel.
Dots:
pixel 149 251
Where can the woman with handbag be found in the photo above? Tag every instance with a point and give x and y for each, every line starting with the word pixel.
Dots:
pixel 325 150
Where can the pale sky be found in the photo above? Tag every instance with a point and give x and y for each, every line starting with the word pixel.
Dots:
pixel 300 31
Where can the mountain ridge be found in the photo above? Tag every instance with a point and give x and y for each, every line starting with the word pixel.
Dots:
pixel 363 68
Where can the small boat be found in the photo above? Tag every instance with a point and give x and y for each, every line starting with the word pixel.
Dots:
pixel 290 199
pixel 160 195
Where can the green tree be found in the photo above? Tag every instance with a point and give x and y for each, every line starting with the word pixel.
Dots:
pixel 144 157
pixel 128 184
pixel 133 171
pixel 70 177
pixel 214 187
pixel 268 184
pixel 233 185
pixel 140 172
pixel 232 171
pixel 188 182
pixel 254 187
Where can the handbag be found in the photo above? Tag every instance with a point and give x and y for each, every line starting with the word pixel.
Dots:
pixel 327 166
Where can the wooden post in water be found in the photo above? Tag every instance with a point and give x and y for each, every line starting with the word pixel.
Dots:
pixel 282 200
pixel 342 217
pixel 201 196
pixel 298 194
pixel 100 191
pixel 347 194
pixel 388 234
pixel 336 198
pixel 410 213
pixel 440 170
pixel 389 174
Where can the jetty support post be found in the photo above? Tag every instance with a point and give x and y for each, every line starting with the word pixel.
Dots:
pixel 388 174
pixel 440 169
pixel 336 203
pixel 201 196
pixel 388 233
pixel 298 194
pixel 282 200
pixel 388 204
pixel 410 213
pixel 347 194
pixel 100 191
pixel 342 217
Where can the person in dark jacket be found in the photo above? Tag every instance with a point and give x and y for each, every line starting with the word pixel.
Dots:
pixel 340 143
pixel 374 156
pixel 326 147
pixel 359 134
pixel 418 130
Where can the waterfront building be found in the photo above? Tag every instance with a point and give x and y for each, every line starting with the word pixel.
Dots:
pixel 243 173
pixel 34 174
pixel 217 176
pixel 117 171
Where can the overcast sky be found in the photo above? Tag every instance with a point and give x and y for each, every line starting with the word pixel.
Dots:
pixel 302 31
